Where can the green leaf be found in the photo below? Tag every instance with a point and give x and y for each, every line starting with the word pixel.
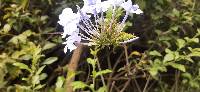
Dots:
pixel 192 40
pixel 94 52
pixel 39 86
pixel 50 60
pixel 180 43
pixel 40 69
pixel 78 85
pixel 102 89
pixel 102 72
pixel 48 45
pixel 195 54
pixel 14 40
pixel 174 28
pixel 22 66
pixel 168 57
pixel 194 84
pixel 35 79
pixel 26 57
pixel 43 76
pixel 168 50
pixel 177 66
pixel 92 62
pixel 157 66
pixel 155 53
pixel 187 75
pixel 6 28
pixel 153 71
pixel 60 81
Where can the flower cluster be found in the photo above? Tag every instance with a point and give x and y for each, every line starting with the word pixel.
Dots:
pixel 80 28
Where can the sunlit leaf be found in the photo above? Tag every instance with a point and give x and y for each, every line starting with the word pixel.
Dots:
pixel 22 66
pixel 50 60
pixel 102 72
pixel 78 85
pixel 40 69
pixel 177 66
pixel 60 82
pixel 169 57
pixel 154 53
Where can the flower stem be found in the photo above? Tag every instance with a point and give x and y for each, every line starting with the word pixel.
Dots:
pixel 72 66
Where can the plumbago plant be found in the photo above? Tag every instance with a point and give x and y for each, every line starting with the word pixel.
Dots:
pixel 97 24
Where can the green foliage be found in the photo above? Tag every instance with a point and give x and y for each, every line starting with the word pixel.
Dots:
pixel 22 28
pixel 167 58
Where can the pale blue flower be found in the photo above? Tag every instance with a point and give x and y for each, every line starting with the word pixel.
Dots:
pixel 71 40
pixel 68 20
pixel 131 8
pixel 67 16
pixel 91 31
pixel 69 29
pixel 95 6
pixel 116 2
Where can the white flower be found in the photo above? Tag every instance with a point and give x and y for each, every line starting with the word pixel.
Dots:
pixel 131 8
pixel 116 2
pixel 68 16
pixel 79 28
pixel 68 20
pixel 71 40
pixel 95 6
pixel 69 29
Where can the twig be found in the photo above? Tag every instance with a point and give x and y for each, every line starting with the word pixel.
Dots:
pixel 136 83
pixel 102 78
pixel 72 66
pixel 147 83
pixel 127 62
pixel 113 83
pixel 126 84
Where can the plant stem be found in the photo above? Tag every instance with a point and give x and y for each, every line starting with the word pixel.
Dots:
pixel 126 55
pixel 147 83
pixel 102 78
pixel 72 66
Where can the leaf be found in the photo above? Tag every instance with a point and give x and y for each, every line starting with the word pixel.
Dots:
pixel 48 45
pixel 157 66
pixel 94 52
pixel 35 79
pixel 187 75
pixel 102 89
pixel 195 54
pixel 6 28
pixel 174 28
pixel 22 66
pixel 14 40
pixel 60 82
pixel 50 60
pixel 154 53
pixel 168 57
pixel 43 76
pixel 136 53
pixel 39 86
pixel 78 85
pixel 153 71
pixel 92 62
pixel 192 40
pixel 40 69
pixel 24 4
pixel 168 50
pixel 25 57
pixel 102 72
pixel 177 66
pixel 180 43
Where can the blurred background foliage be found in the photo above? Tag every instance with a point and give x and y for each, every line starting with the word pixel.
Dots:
pixel 166 56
